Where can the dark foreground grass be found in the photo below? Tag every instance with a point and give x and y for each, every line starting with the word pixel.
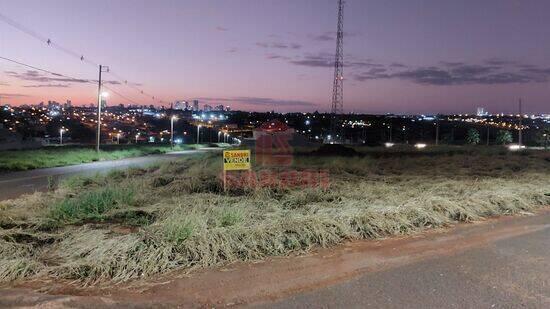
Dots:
pixel 90 205
pixel 137 223
pixel 20 160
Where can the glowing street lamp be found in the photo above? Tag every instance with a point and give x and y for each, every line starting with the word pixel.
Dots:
pixel 172 130
pixel 137 136
pixel 61 135
pixel 219 136
pixel 118 138
pixel 99 102
pixel 198 133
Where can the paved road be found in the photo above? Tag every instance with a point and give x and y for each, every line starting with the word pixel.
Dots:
pixel 15 184
pixel 509 273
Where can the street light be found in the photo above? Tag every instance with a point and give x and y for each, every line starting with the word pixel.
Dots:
pixel 100 101
pixel 137 136
pixel 172 130
pixel 219 138
pixel 61 136
pixel 118 138
pixel 198 133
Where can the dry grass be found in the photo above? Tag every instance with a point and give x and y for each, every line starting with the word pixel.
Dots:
pixel 140 222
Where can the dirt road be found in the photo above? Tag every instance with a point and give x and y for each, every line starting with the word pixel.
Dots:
pixel 500 263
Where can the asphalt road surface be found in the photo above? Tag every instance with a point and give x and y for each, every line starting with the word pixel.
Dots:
pixel 15 184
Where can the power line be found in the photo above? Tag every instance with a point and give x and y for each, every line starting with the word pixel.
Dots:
pixel 78 80
pixel 80 56
pixel 124 81
pixel 44 39
pixel 120 95
pixel 71 79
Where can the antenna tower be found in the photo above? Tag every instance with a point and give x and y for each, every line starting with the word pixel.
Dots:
pixel 338 87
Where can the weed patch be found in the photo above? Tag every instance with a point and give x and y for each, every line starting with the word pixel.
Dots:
pixel 91 205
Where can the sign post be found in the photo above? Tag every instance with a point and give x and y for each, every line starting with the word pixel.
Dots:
pixel 235 160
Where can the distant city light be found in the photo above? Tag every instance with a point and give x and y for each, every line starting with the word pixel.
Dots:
pixel 389 145
pixel 420 146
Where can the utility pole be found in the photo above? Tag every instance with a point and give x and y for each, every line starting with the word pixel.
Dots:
pixel 102 68
pixel 520 137
pixel 172 131
pixel 437 132
pixel 198 133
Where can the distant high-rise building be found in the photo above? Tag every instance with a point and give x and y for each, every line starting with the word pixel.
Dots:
pixel 196 105
pixel 52 105
pixel 181 105
pixel 220 108
pixel 481 112
pixel 68 104
pixel 207 108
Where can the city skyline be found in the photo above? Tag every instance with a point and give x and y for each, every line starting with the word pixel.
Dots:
pixel 401 57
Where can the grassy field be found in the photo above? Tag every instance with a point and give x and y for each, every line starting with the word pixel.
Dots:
pixel 137 223
pixel 20 160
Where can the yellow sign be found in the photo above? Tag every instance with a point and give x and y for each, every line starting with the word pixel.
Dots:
pixel 236 160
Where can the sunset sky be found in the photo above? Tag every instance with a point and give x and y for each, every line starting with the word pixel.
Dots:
pixel 407 56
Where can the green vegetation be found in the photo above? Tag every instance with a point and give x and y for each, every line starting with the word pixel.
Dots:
pixel 132 224
pixel 504 137
pixel 473 137
pixel 19 160
pixel 91 205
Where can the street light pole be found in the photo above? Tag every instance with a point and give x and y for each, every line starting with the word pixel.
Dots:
pixel 520 135
pixel 437 133
pixel 198 133
pixel 102 68
pixel 172 131
pixel 61 136
pixel 118 138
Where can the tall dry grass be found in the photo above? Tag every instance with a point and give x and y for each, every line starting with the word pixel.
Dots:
pixel 140 222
